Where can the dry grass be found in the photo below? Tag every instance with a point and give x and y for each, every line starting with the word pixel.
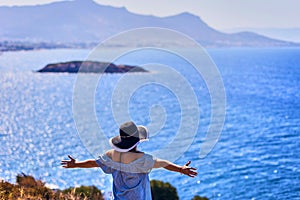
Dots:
pixel 27 188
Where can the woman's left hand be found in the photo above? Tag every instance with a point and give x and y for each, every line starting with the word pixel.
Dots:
pixel 189 171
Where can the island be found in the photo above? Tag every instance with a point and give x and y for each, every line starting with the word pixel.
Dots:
pixel 90 67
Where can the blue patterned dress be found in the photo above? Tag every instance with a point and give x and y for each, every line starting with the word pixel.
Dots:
pixel 130 181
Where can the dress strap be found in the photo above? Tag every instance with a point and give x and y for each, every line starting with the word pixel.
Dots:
pixel 120 160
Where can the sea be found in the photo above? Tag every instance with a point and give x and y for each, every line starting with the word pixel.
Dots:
pixel 253 153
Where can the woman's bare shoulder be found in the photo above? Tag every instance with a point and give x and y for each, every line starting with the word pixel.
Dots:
pixel 109 153
pixel 127 157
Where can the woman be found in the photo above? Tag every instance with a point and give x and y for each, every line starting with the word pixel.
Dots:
pixel 128 166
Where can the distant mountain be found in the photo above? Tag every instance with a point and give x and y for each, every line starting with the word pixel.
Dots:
pixel 288 34
pixel 86 21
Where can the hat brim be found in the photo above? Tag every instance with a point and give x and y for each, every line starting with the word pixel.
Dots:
pixel 126 144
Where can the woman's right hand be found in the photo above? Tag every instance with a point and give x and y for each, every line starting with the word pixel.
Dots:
pixel 69 163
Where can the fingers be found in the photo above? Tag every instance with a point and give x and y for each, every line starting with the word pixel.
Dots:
pixel 193 173
pixel 72 159
pixel 67 163
pixel 188 163
pixel 64 163
pixel 193 176
pixel 190 171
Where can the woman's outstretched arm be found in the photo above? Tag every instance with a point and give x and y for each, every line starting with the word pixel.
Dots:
pixel 185 169
pixel 73 164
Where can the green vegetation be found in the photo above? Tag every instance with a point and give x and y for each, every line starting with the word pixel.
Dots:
pixel 161 191
pixel 85 192
pixel 27 188
pixel 165 191
pixel 199 198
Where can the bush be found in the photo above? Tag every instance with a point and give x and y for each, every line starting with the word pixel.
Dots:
pixel 163 191
pixel 27 188
pixel 6 190
pixel 85 192
pixel 32 187
pixel 199 198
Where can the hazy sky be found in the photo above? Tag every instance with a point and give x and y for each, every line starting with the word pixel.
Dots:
pixel 220 14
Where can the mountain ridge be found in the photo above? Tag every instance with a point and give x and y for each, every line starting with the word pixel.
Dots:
pixel 87 21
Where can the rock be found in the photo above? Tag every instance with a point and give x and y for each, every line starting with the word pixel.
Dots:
pixel 90 67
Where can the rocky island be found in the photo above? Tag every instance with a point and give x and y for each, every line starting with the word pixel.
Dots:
pixel 90 67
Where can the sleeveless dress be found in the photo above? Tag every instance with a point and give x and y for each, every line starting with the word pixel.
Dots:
pixel 130 181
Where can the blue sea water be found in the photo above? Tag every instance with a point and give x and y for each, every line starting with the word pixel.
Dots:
pixel 256 156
